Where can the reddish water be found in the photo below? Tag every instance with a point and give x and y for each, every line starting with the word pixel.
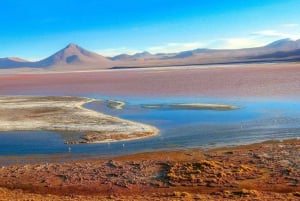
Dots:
pixel 280 80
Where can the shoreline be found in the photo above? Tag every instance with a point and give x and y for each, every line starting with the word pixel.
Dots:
pixel 29 71
pixel 65 158
pixel 29 113
pixel 264 171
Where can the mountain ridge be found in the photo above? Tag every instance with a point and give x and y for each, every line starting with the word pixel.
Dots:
pixel 75 57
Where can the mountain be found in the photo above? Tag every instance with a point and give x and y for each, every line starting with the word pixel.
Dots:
pixel 287 55
pixel 17 59
pixel 121 57
pixel 284 45
pixel 190 53
pixel 126 57
pixel 144 54
pixel 75 57
pixel 281 50
pixel 12 62
pixel 72 56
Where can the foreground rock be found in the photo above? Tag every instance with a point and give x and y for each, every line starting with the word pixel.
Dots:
pixel 267 171
pixel 66 114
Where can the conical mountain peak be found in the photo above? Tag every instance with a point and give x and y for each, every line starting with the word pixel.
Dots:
pixel 72 46
pixel 73 54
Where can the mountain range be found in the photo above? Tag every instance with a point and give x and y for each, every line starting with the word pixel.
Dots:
pixel 75 57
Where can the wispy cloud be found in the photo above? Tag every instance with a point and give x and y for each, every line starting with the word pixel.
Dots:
pixel 272 33
pixel 164 48
pixel 277 34
pixel 235 43
pixel 290 25
pixel 224 43
pixel 175 47
pixel 255 39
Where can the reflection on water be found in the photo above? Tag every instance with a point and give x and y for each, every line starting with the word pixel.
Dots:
pixel 256 121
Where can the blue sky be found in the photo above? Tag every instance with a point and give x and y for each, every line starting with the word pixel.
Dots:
pixel 35 29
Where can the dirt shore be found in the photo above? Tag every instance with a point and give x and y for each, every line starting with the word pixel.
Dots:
pixel 265 171
pixel 255 80
pixel 66 114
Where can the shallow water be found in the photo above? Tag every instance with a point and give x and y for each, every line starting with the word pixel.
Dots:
pixel 256 121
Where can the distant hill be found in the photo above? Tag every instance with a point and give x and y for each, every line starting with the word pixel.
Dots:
pixel 12 62
pixel 281 50
pixel 75 57
pixel 126 57
pixel 284 45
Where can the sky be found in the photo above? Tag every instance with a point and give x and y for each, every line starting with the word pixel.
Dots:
pixel 33 29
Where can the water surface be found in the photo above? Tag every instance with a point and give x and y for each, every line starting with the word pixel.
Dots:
pixel 255 121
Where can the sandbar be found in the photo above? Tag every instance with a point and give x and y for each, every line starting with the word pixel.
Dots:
pixel 116 104
pixel 192 106
pixel 67 114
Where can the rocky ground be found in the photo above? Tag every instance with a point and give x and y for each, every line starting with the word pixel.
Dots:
pixel 266 171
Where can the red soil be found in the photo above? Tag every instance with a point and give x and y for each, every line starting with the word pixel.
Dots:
pixel 266 171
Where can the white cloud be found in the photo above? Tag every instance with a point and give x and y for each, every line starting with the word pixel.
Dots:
pixel 174 47
pixel 276 34
pixel 165 48
pixel 255 39
pixel 290 25
pixel 235 43
pixel 271 33
pixel 224 43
